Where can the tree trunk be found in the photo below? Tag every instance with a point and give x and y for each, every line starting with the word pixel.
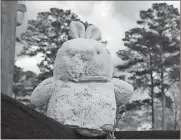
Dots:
pixel 152 104
pixel 15 96
pixel 152 92
pixel 175 122
pixel 175 111
pixel 162 88
pixel 163 100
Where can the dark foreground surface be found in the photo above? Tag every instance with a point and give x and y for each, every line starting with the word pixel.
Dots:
pixel 21 122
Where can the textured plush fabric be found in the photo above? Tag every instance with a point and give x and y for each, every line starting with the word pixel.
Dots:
pixel 85 105
pixel 123 91
pixel 43 92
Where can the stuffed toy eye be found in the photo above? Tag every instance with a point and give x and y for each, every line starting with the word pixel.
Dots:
pixel 72 55
pixel 98 52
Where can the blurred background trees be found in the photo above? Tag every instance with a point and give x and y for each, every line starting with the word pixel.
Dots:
pixel 24 83
pixel 151 59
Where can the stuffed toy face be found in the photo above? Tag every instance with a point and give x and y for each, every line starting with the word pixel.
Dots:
pixel 83 58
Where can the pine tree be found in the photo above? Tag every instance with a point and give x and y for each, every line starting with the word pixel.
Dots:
pixel 152 54
pixel 45 35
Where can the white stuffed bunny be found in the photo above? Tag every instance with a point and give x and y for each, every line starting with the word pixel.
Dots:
pixel 82 93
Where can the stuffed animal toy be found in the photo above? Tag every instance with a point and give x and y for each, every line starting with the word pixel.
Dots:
pixel 82 93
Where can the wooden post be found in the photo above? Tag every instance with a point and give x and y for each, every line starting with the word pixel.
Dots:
pixel 8 26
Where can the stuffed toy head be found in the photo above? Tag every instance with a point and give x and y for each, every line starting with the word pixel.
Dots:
pixel 83 58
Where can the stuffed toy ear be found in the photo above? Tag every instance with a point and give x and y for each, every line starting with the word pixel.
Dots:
pixel 93 32
pixel 77 29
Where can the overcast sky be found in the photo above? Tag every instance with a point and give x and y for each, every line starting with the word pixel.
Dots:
pixel 112 17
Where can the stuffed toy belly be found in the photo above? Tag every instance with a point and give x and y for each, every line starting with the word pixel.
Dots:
pixel 83 105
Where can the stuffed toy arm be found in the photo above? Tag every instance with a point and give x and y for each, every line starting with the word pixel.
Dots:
pixel 42 93
pixel 123 91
